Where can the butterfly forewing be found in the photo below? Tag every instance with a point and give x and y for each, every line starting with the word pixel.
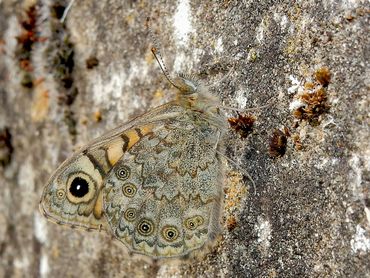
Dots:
pixel 73 194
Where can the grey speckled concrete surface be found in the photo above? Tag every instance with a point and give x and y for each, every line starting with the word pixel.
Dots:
pixel 310 215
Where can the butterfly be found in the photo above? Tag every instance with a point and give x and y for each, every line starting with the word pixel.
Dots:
pixel 154 183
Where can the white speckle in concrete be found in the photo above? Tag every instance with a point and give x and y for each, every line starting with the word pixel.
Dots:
pixel 303 132
pixel 10 44
pixel 103 88
pixel 349 4
pixel 260 31
pixel 321 163
pixel 40 227
pixel 182 22
pixel 355 174
pixel 179 62
pixel 334 161
pixel 26 177
pixel 137 70
pixel 284 22
pixel 26 182
pixel 296 88
pixel 328 122
pixel 263 228
pixel 44 266
pixel 367 213
pixel 296 85
pixel 168 271
pixel 295 104
pixel 282 19
pixel 360 241
pixel 53 154
pixel 241 99
pixel 219 45
pixel 359 163
pixel 21 263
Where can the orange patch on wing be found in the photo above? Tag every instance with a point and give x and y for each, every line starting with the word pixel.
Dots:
pixel 98 208
pixel 115 151
pixel 146 129
pixel 133 137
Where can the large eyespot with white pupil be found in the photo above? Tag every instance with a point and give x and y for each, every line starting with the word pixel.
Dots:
pixel 81 188
pixel 130 214
pixel 129 190
pixel 170 233
pixel 145 227
pixel 123 172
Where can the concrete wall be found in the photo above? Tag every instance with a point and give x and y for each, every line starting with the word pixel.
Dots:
pixel 63 84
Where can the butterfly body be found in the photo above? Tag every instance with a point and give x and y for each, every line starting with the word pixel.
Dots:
pixel 154 183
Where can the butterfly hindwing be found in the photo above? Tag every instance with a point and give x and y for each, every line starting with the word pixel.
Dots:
pixel 162 197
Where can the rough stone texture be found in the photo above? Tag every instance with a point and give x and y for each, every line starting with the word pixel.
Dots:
pixel 310 214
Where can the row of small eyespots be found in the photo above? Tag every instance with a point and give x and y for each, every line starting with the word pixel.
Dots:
pixel 146 227
pixel 123 173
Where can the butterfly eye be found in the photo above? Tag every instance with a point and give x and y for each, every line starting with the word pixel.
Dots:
pixel 61 194
pixel 130 214
pixel 170 233
pixel 123 172
pixel 145 227
pixel 129 190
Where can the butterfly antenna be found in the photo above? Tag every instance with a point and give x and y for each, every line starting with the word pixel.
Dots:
pixel 241 110
pixel 270 102
pixel 158 56
pixel 70 4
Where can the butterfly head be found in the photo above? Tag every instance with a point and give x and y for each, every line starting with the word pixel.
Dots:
pixel 187 85
pixel 194 94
